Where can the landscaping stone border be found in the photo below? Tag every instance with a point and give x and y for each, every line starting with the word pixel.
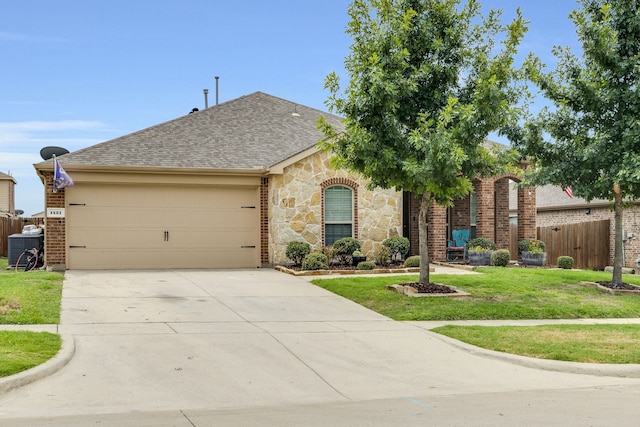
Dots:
pixel 349 272
pixel 410 291
pixel 611 291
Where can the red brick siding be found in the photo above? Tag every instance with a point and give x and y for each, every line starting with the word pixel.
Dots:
pixel 55 243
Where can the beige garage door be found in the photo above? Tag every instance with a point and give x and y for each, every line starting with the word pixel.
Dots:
pixel 151 226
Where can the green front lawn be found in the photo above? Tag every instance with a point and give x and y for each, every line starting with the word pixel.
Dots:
pixel 28 298
pixel 497 293
pixel 513 293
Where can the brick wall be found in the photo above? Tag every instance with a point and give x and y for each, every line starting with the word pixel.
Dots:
pixel 492 216
pixel 54 237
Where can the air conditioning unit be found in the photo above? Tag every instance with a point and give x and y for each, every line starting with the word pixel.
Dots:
pixel 18 243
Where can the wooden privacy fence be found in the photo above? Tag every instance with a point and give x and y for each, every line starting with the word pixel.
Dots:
pixel 586 242
pixel 9 226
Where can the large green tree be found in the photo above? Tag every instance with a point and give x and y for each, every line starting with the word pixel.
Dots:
pixel 429 80
pixel 590 138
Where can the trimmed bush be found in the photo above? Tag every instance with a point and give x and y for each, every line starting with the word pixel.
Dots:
pixel 481 243
pixel 315 261
pixel 296 251
pixel 412 261
pixel 565 262
pixel 500 258
pixel 344 248
pixel 382 256
pixel 366 265
pixel 398 245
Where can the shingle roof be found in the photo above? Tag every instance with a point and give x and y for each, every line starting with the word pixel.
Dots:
pixel 257 130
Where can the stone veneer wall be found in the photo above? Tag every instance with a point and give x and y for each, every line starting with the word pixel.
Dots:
pixel 295 208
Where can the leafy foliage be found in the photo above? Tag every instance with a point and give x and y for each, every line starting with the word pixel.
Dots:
pixel 382 255
pixel 315 261
pixel 481 243
pixel 366 265
pixel 531 245
pixel 344 249
pixel 398 245
pixel 412 261
pixel 427 85
pixel 590 140
pixel 565 262
pixel 296 251
pixel 500 258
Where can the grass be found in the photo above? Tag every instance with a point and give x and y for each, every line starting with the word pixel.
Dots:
pixel 497 293
pixel 27 299
pixel 507 293
pixel 22 350
pixel 574 343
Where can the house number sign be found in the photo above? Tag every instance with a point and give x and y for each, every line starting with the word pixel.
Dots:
pixel 55 212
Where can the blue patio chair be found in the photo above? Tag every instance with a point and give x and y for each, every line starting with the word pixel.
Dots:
pixel 457 247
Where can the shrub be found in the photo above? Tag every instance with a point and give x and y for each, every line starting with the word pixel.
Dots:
pixel 315 261
pixel 500 258
pixel 565 262
pixel 344 248
pixel 412 261
pixel 382 256
pixel 366 265
pixel 531 245
pixel 296 251
pixel 330 253
pixel 398 245
pixel 481 244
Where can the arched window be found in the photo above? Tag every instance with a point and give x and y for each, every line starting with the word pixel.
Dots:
pixel 338 213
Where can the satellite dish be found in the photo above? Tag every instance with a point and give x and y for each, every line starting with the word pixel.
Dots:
pixel 48 152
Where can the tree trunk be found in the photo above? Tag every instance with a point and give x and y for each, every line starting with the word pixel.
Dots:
pixel 617 252
pixel 423 237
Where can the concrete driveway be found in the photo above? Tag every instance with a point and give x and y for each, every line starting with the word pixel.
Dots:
pixel 216 341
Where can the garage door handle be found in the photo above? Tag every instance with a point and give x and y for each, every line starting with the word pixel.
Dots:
pixel 74 246
pixel 248 207
pixel 166 236
pixel 245 247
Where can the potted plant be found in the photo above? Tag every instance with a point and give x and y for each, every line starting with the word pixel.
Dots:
pixel 533 252
pixel 479 250
pixel 357 257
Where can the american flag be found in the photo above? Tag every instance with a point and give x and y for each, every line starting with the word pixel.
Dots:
pixel 569 192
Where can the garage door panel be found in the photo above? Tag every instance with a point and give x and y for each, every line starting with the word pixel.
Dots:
pixel 126 226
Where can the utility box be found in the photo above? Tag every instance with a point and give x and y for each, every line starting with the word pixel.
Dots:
pixel 18 243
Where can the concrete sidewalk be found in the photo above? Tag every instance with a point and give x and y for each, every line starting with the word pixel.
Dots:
pixel 225 340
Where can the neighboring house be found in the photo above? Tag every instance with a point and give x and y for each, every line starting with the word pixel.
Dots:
pixel 229 187
pixel 7 195
pixel 555 208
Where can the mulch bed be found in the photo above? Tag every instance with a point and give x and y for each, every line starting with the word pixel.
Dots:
pixel 431 288
pixel 621 286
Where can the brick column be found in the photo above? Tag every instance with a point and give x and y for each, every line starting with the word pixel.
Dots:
pixel 264 221
pixel 501 188
pixel 485 208
pixel 437 232
pixel 527 213
pixel 55 242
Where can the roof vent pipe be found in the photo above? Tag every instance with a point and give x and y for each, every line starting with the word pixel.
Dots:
pixel 217 78
pixel 206 98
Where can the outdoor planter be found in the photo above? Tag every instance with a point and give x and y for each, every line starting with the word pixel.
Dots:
pixel 480 257
pixel 537 259
pixel 357 259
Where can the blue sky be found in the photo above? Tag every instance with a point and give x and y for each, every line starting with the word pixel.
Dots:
pixel 75 73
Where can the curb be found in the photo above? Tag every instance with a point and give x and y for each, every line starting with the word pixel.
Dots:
pixel 596 369
pixel 57 362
